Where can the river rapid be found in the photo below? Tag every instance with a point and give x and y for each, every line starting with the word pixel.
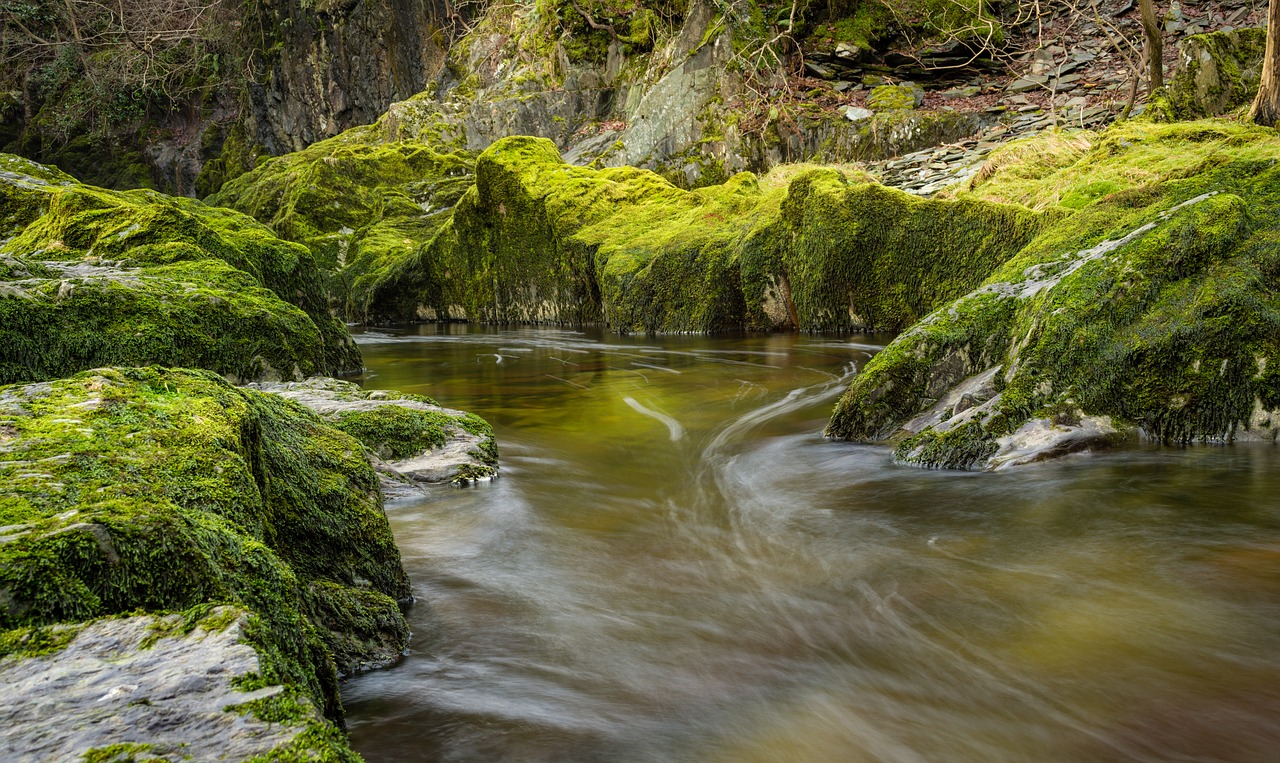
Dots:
pixel 675 566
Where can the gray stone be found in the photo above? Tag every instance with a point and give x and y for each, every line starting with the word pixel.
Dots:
pixel 1029 82
pixel 857 113
pixel 110 686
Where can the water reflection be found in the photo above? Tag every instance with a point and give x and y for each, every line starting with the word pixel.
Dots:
pixel 674 566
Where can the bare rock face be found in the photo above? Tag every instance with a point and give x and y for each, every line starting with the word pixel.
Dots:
pixel 341 63
pixel 412 440
pixel 142 685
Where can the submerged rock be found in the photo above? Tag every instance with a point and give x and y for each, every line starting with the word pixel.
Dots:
pixel 162 490
pixel 1151 309
pixel 412 439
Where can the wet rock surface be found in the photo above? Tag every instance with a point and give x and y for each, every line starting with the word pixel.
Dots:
pixel 139 682
pixel 463 450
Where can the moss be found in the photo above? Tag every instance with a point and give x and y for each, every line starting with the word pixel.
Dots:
pixel 1154 305
pixel 962 447
pixel 394 432
pixel 231 155
pixel 138 277
pixel 169 490
pixel 126 752
pixel 1217 72
pixel 894 97
pixel 37 641
pixel 366 210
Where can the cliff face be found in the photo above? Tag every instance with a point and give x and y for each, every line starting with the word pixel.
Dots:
pixel 235 82
pixel 335 64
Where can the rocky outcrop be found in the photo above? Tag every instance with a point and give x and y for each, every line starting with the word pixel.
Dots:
pixel 90 277
pixel 158 490
pixel 336 64
pixel 412 440
pixel 1152 309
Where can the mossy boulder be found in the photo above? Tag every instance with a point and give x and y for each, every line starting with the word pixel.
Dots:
pixel 366 208
pixel 895 97
pixel 1151 309
pixel 152 490
pixel 412 439
pixel 157 688
pixel 94 277
pixel 541 241
pixel 1217 72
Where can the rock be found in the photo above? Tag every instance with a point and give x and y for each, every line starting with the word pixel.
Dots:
pixel 895 97
pixel 186 492
pixel 1208 375
pixel 961 92
pixel 818 70
pixel 849 51
pixel 856 113
pixel 212 288
pixel 1216 72
pixel 144 681
pixel 1027 83
pixel 415 441
pixel 1043 439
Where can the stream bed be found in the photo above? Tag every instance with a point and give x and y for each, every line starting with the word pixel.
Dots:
pixel 674 565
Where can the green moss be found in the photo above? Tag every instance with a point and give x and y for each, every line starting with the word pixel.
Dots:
pixel 37 641
pixel 1155 305
pixel 167 490
pixel 126 752
pixel 894 97
pixel 138 277
pixel 394 432
pixel 366 210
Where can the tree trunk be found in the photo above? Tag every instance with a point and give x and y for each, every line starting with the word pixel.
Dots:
pixel 1266 107
pixel 1155 45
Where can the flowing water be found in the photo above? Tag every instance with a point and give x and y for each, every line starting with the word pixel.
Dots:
pixel 675 566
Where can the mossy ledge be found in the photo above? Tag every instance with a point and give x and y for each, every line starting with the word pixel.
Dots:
pixel 536 240
pixel 1152 309
pixel 151 490
pixel 90 277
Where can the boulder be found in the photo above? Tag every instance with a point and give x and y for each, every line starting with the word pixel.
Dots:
pixel 132 491
pixel 1147 310
pixel 1217 72
pixel 90 277
pixel 412 440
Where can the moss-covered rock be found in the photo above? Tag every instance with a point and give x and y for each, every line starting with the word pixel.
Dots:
pixel 541 241
pixel 895 97
pixel 1153 307
pixel 157 688
pixel 127 490
pixel 1217 72
pixel 412 439
pixel 94 277
pixel 367 210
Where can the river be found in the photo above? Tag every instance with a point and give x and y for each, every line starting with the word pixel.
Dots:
pixel 675 566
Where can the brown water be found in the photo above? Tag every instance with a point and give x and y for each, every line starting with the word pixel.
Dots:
pixel 675 566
